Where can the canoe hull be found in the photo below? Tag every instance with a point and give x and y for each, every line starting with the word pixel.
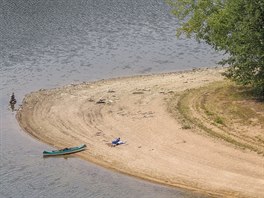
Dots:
pixel 65 151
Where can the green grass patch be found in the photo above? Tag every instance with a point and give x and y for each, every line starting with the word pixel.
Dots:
pixel 219 120
pixel 223 104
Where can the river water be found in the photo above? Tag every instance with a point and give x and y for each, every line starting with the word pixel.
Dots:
pixel 46 44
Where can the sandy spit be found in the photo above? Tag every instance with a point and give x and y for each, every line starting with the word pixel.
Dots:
pixel 157 148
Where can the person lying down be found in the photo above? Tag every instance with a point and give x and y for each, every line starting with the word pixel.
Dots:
pixel 117 141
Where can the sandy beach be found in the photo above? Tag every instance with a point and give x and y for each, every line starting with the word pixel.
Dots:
pixel 157 147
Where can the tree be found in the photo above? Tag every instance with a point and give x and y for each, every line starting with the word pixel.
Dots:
pixel 233 26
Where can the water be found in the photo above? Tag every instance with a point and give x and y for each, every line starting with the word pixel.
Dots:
pixel 46 44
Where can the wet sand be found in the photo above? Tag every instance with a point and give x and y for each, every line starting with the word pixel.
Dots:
pixel 157 148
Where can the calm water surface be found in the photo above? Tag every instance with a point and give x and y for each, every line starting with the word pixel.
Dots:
pixel 46 44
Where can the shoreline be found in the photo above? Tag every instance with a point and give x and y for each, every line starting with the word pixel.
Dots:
pixel 157 148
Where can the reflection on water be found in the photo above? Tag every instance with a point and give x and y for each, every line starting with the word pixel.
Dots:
pixel 51 43
pixel 60 156
pixel 12 107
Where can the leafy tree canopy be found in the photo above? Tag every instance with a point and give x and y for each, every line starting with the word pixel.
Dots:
pixel 233 26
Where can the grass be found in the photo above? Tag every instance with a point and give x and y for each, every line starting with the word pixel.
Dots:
pixel 219 120
pixel 186 126
pixel 222 110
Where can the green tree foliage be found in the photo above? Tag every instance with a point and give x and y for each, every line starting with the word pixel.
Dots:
pixel 233 26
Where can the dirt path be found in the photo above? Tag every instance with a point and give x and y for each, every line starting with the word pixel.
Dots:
pixel 157 147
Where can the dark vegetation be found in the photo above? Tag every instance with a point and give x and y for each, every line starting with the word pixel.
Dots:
pixel 235 27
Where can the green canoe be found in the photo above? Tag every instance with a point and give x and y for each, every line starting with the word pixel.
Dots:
pixel 64 151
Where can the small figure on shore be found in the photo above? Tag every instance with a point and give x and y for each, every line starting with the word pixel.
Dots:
pixel 13 99
pixel 117 141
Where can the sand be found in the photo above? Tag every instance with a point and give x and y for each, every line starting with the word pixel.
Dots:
pixel 157 147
